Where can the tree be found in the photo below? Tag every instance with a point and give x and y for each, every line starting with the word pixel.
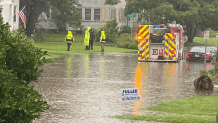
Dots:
pixel 64 12
pixel 60 12
pixel 192 14
pixel 112 2
pixel 110 28
pixel 19 63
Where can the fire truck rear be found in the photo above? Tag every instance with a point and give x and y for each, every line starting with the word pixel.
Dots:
pixel 160 42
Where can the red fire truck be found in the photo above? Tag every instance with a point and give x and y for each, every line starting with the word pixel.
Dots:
pixel 160 42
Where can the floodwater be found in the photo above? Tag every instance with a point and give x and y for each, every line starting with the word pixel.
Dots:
pixel 87 88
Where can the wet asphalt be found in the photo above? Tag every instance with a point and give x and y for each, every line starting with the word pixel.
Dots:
pixel 87 88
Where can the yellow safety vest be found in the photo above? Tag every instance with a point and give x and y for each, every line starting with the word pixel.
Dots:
pixel 87 37
pixel 69 37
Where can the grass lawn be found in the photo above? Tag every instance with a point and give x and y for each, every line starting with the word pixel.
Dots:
pixel 193 109
pixel 173 119
pixel 57 47
pixel 200 41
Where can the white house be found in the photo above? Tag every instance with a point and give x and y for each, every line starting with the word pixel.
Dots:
pixel 94 14
pixel 10 9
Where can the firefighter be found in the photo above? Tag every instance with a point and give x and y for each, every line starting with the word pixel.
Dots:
pixel 87 37
pixel 92 38
pixel 69 39
pixel 102 40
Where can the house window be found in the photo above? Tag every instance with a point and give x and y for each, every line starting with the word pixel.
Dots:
pixel 97 14
pixel 122 15
pixel 113 13
pixel 87 14
pixel 15 9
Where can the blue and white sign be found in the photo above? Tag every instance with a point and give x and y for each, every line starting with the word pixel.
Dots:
pixel 130 94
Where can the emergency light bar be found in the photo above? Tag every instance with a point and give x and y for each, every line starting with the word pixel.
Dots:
pixel 159 26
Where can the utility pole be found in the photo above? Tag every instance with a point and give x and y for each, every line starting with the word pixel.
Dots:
pixel 131 27
pixel 205 55
pixel 217 52
pixel 206 36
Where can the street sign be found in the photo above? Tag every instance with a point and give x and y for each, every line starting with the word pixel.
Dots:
pixel 206 34
pixel 131 16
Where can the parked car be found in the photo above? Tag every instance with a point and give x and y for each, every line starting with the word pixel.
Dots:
pixel 197 53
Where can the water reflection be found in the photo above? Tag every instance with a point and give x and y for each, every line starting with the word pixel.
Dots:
pixel 138 85
pixel 101 65
pixel 86 88
pixel 69 66
pixel 197 65
pixel 169 79
pixel 86 65
pixel 207 66
pixel 204 92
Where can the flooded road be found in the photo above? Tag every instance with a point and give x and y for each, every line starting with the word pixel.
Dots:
pixel 87 88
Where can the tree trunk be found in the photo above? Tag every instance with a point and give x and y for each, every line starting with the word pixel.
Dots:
pixel 34 13
pixel 191 32
pixel 190 38
pixel 30 23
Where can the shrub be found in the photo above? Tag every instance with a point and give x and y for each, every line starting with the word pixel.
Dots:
pixel 126 29
pixel 111 31
pixel 18 103
pixel 19 65
pixel 125 41
pixel 133 46
pixel 124 44
pixel 23 58
pixel 213 73
pixel 212 32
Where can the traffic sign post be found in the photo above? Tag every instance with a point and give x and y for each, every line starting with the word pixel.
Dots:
pixel 206 36
pixel 131 16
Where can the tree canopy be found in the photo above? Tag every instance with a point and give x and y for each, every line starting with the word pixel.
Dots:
pixel 112 2
pixel 192 14
pixel 59 12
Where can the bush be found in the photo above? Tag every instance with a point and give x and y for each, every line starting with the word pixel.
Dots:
pixel 126 29
pixel 123 44
pixel 19 65
pixel 213 73
pixel 133 46
pixel 125 41
pixel 212 32
pixel 146 23
pixel 18 103
pixel 111 31
pixel 23 58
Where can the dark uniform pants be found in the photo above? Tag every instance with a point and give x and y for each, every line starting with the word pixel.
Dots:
pixel 91 44
pixel 68 46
